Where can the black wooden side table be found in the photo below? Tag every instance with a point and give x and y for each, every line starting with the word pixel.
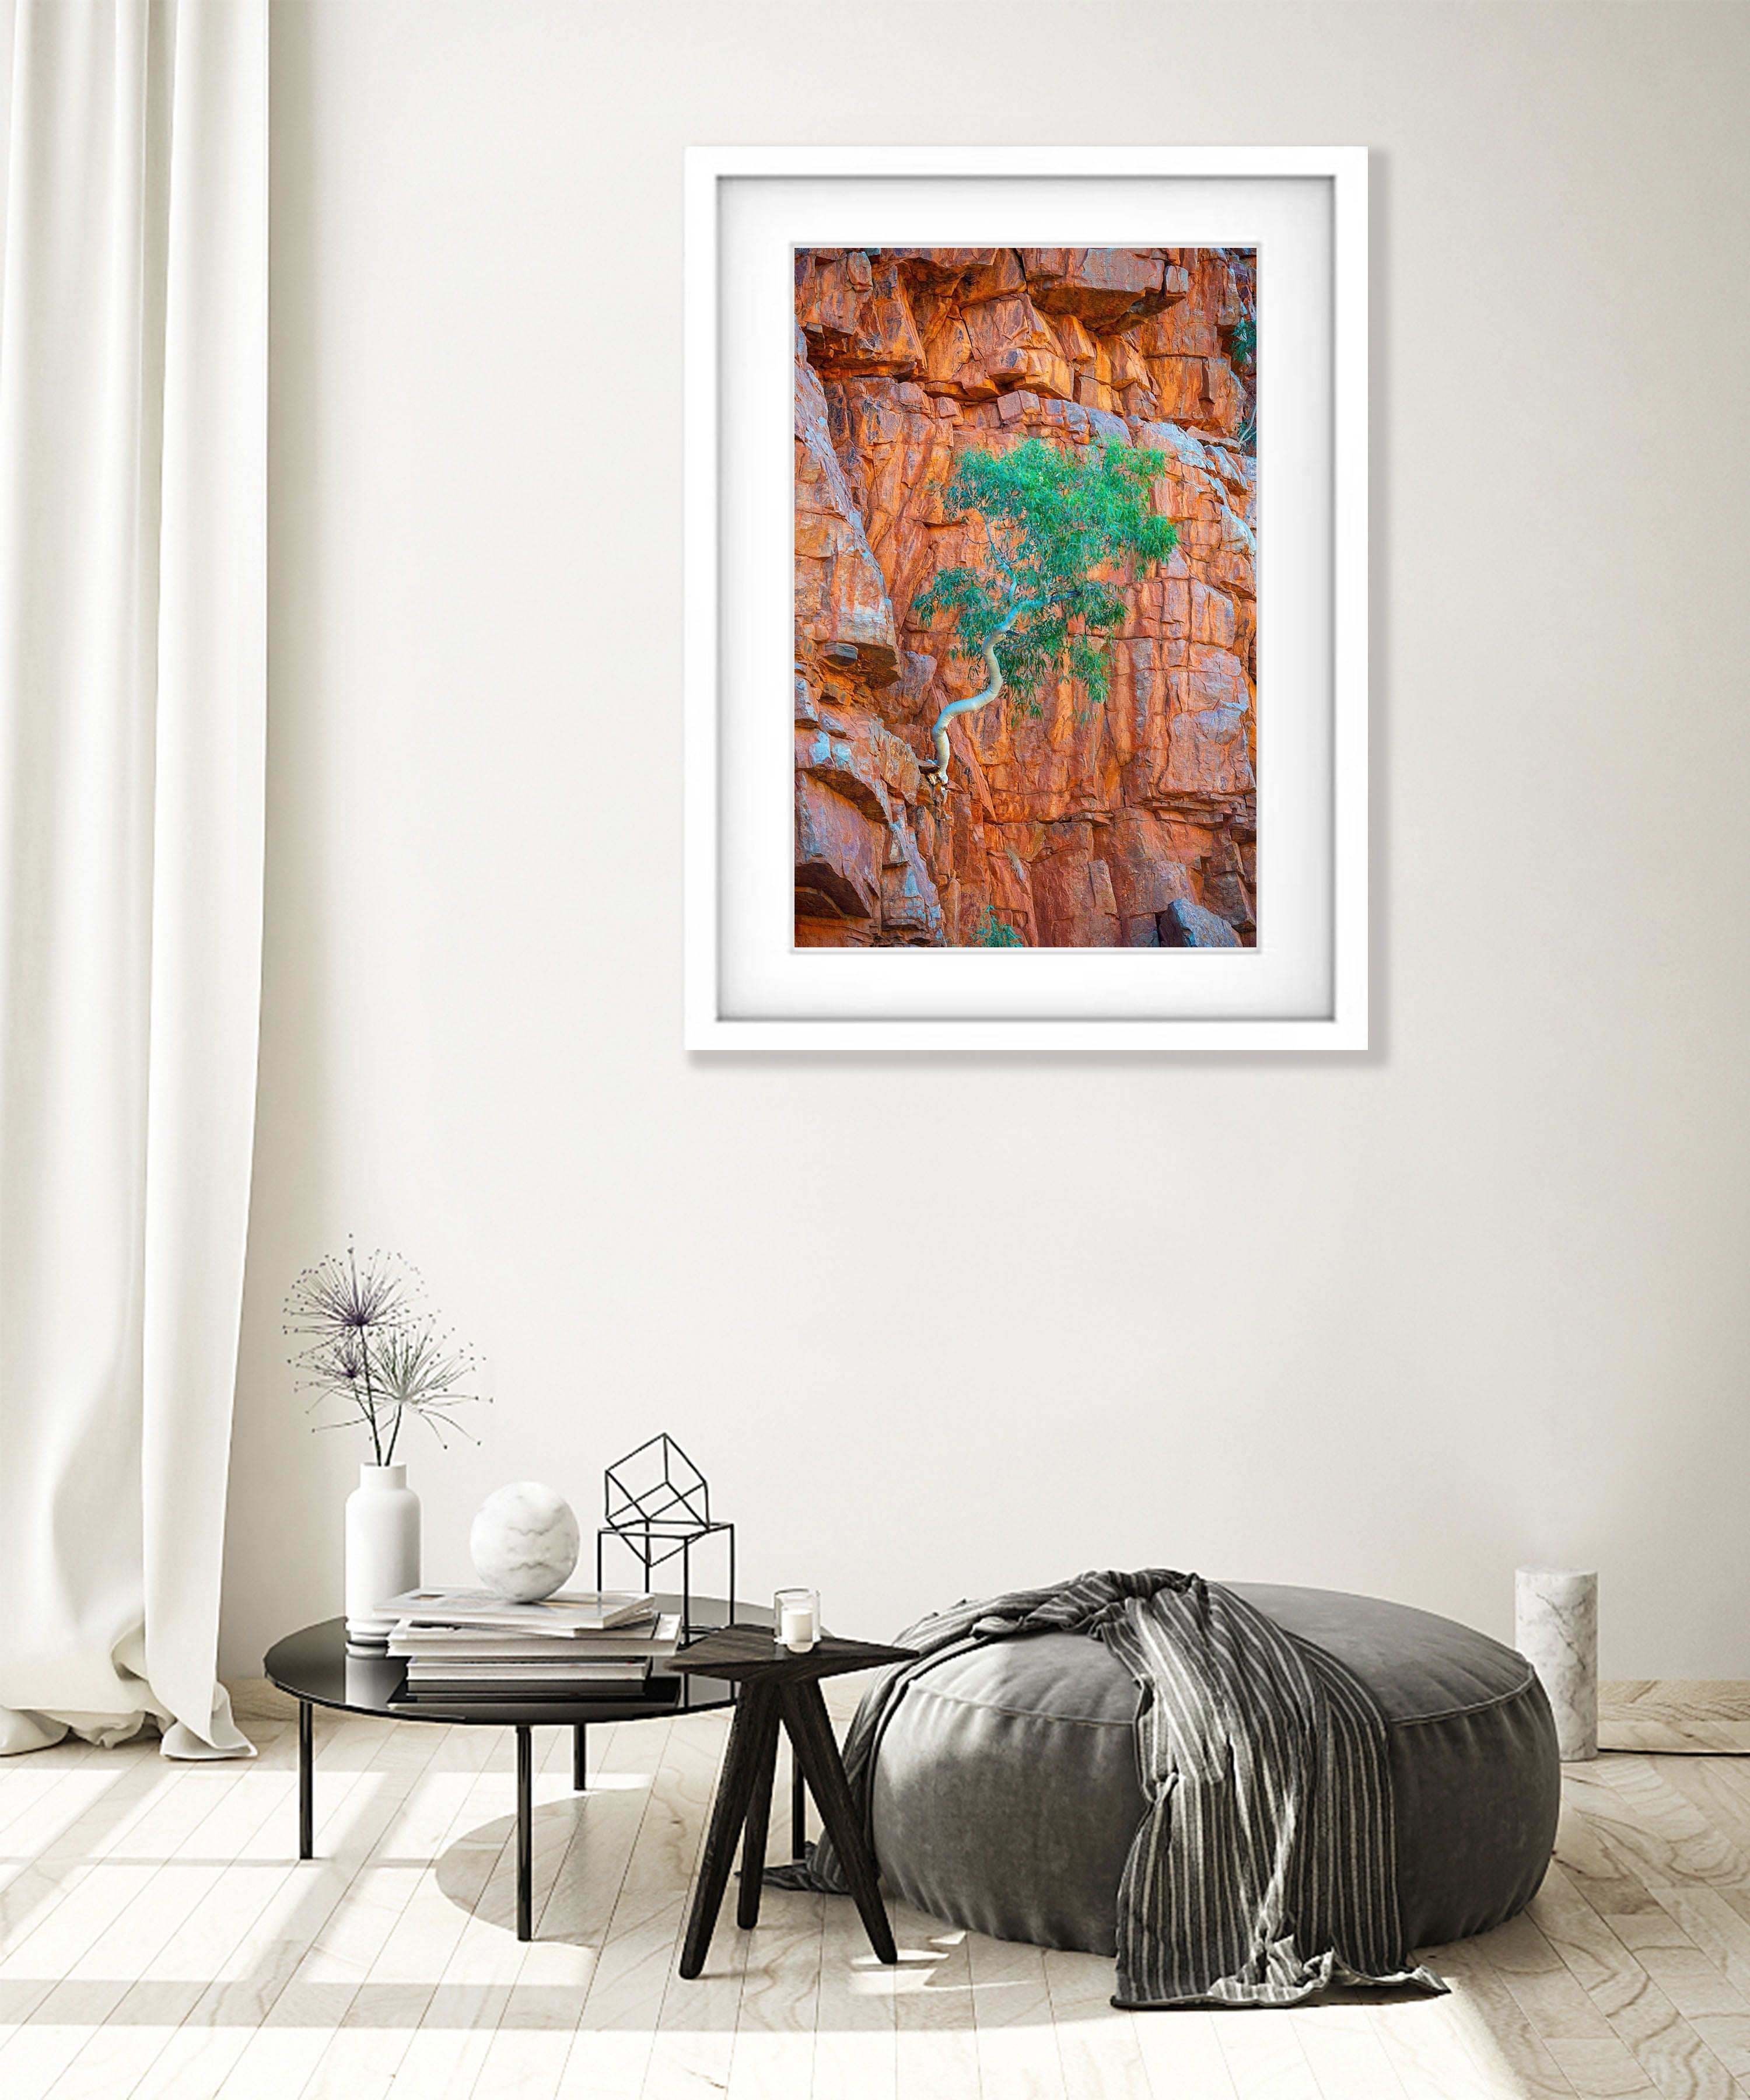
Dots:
pixel 776 1686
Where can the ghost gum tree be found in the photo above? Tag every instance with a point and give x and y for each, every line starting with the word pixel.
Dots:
pixel 1055 526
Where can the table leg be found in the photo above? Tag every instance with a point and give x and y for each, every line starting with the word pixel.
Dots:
pixel 765 1754
pixel 307 1782
pixel 525 1835
pixel 729 1813
pixel 798 1809
pixel 804 1713
pixel 579 1757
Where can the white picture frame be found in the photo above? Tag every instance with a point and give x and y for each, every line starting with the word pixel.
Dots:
pixel 1305 986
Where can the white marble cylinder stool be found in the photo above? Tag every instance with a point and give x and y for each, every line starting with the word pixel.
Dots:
pixel 1556 1630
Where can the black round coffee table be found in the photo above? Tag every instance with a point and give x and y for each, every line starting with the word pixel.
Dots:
pixel 314 1668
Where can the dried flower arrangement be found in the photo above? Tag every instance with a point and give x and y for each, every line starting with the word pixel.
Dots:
pixel 369 1342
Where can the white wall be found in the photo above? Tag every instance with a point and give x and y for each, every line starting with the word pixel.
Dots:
pixel 939 1325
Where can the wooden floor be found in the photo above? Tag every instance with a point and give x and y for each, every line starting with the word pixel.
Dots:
pixel 1674 1715
pixel 159 1937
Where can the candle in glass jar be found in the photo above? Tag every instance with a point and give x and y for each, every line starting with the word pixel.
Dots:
pixel 797 1618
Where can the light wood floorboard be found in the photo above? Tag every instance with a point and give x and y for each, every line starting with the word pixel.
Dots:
pixel 160 1940
pixel 1674 1715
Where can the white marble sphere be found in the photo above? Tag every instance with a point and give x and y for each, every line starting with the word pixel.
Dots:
pixel 524 1542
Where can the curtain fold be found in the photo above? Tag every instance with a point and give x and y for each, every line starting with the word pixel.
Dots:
pixel 133 452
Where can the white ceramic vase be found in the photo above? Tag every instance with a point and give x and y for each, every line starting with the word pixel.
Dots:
pixel 382 1550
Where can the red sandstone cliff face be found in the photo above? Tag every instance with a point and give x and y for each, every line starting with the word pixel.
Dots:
pixel 1068 824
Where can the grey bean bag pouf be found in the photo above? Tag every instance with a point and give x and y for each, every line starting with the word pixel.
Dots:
pixel 1006 1794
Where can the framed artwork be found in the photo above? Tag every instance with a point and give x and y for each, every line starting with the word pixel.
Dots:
pixel 1026 607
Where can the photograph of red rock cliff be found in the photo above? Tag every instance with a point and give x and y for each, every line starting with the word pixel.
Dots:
pixel 1026 609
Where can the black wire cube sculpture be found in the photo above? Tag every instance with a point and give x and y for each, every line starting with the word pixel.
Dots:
pixel 657 1504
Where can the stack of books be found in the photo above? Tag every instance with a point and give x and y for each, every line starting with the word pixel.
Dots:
pixel 469 1647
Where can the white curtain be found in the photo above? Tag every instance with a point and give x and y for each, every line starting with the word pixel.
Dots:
pixel 132 447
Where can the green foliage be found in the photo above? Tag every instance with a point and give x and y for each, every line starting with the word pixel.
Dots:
pixel 993 933
pixel 1049 520
pixel 1243 344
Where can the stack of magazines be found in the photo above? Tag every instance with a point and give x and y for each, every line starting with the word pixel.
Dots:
pixel 468 1646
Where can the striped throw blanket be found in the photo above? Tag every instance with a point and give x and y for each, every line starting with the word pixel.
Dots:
pixel 1265 1867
